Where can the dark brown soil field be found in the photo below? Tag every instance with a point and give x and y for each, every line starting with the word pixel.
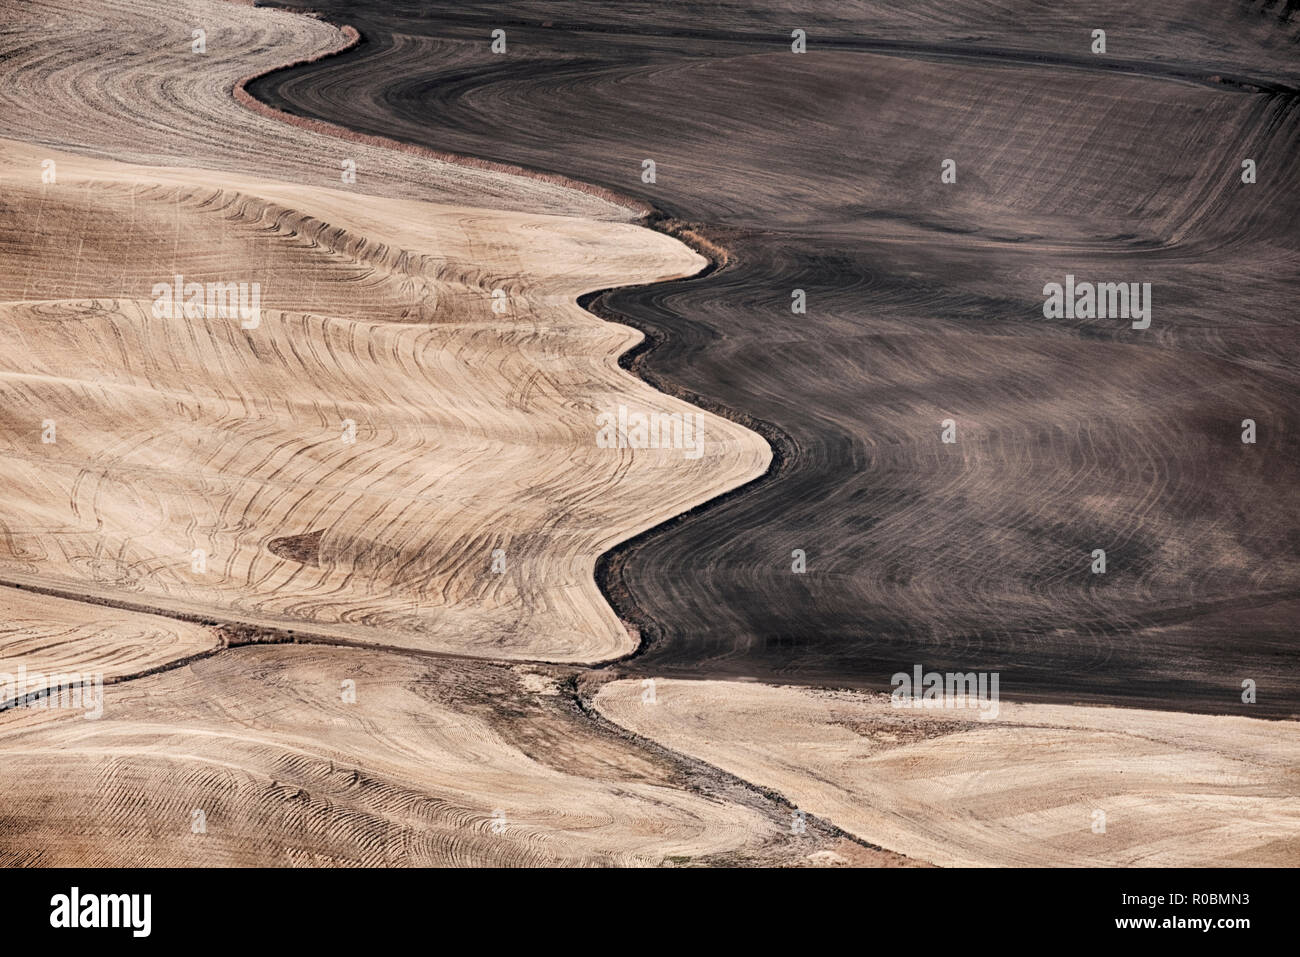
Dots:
pixel 925 302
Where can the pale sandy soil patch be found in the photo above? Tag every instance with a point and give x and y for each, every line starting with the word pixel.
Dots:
pixel 463 511
pixel 121 78
pixel 1021 790
pixel 258 757
pixel 43 638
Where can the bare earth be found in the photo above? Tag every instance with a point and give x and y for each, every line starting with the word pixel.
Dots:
pixel 434 763
pixel 474 432
pixel 1022 789
pixel 53 636
pixel 821 172
pixel 337 568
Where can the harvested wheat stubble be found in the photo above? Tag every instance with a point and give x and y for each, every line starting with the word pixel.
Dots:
pixel 474 431
pixel 446 763
pixel 138 93
pixel 49 637
pixel 821 172
pixel 377 310
pixel 1021 790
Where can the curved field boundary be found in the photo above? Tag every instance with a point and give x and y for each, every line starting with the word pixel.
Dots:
pixel 351 40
